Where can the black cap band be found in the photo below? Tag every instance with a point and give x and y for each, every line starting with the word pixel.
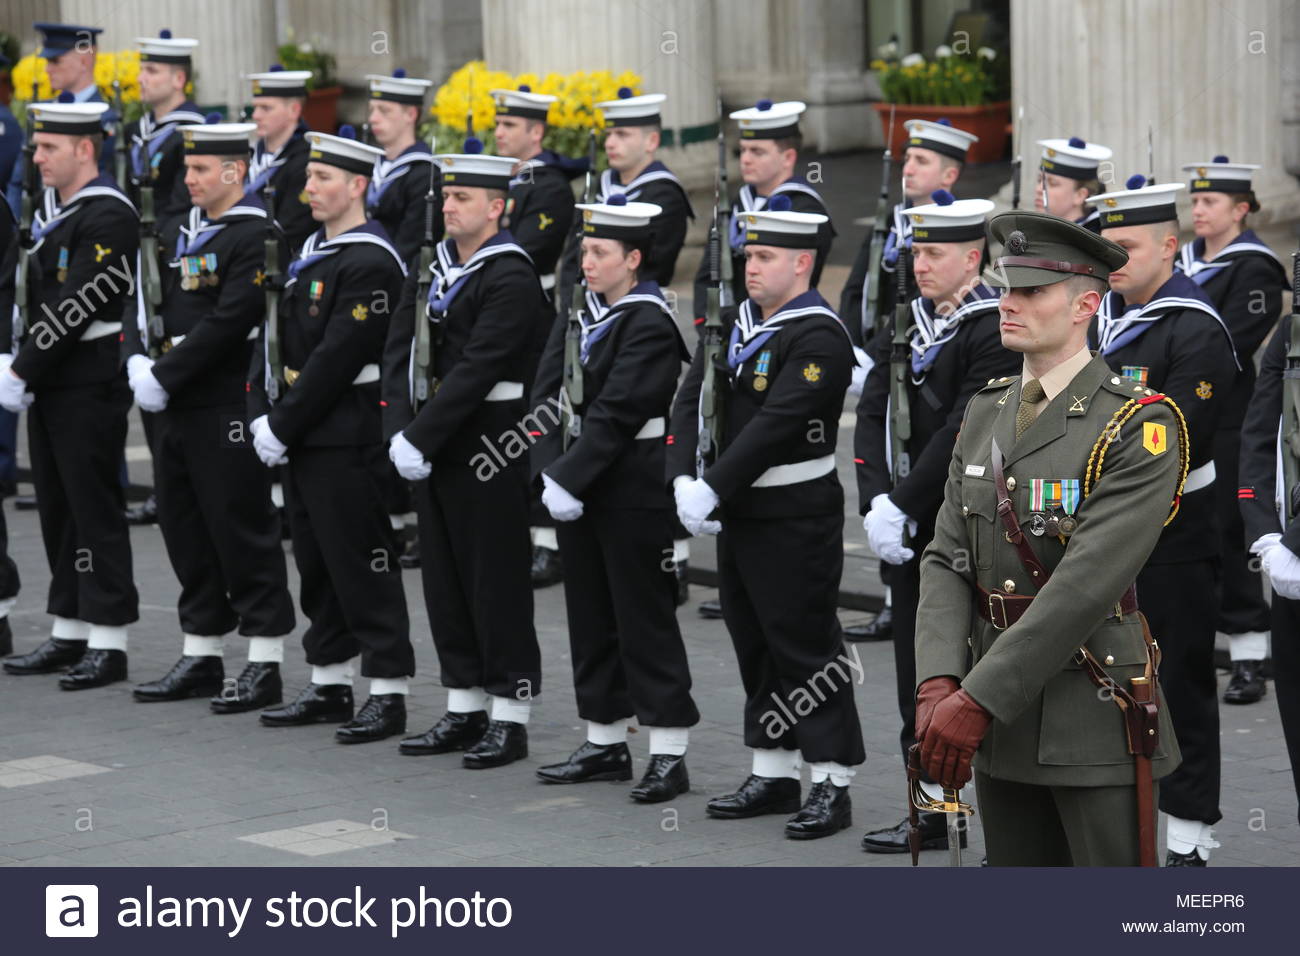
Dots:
pixel 406 99
pixel 946 149
pixel 175 59
pixel 964 233
pixel 1142 215
pixel 360 166
pixel 218 147
pixel 779 132
pixel 482 180
pixel 64 127
pixel 1231 186
pixel 1057 168
pixel 527 112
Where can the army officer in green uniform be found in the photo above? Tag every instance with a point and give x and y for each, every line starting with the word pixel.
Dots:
pixel 1059 484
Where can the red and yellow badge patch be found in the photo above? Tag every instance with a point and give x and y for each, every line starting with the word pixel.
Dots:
pixel 1154 439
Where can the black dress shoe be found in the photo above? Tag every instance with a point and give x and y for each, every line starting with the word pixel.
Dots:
pixel 381 716
pixel 25 502
pixel 827 811
pixel 1184 859
pixel 96 668
pixel 664 778
pixel 1247 684
pixel 6 637
pixel 934 836
pixel 591 762
pixel 681 570
pixel 257 686
pixel 503 742
pixel 191 676
pixel 54 654
pixel 547 567
pixel 317 704
pixel 756 796
pixel 146 512
pixel 711 610
pixel 410 556
pixel 879 628
pixel 453 731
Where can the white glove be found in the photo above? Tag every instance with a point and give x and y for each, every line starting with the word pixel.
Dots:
pixel 562 505
pixel 695 502
pixel 884 525
pixel 860 371
pixel 14 396
pixel 270 449
pixel 407 459
pixel 149 393
pixel 1281 565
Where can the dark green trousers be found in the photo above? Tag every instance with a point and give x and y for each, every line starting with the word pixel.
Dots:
pixel 1030 825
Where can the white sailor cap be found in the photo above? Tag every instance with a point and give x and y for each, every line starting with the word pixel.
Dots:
pixel 523 102
pixel 1221 176
pixel 164 48
pixel 940 136
pixel 618 219
pixel 398 88
pixel 1072 157
pixel 629 110
pixel 278 81
pixel 1138 203
pixel 67 116
pixel 946 219
pixel 215 138
pixel 768 120
pixel 344 151
pixel 474 168
pixel 777 225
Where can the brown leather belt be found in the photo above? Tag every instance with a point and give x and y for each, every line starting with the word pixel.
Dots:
pixel 1002 609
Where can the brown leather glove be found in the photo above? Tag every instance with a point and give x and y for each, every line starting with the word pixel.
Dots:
pixel 928 696
pixel 957 726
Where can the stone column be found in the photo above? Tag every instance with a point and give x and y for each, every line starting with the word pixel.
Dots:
pixel 1206 77
pixel 670 43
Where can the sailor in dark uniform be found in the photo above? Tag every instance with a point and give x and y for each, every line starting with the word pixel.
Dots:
pixel 1270 503
pixel 156 150
pixel 1158 329
pixel 466 446
pixel 607 493
pixel 954 349
pixel 933 159
pixel 68 369
pixel 280 156
pixel 325 425
pixel 780 520
pixel 214 496
pixel 69 52
pixel 395 198
pixel 539 215
pixel 1069 175
pixel 1244 279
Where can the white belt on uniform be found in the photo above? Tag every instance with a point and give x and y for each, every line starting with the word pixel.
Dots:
pixel 795 473
pixel 98 329
pixel 1199 478
pixel 178 339
pixel 369 373
pixel 505 391
pixel 654 428
pixel 548 282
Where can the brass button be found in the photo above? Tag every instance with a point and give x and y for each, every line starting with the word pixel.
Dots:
pixel 1011 484
pixel 1110 659
pixel 1009 586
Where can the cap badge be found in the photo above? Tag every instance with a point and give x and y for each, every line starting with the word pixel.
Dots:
pixel 1017 243
pixel 1200 171
pixel 1111 203
pixel 1050 151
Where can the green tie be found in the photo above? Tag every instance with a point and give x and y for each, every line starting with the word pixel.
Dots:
pixel 1031 393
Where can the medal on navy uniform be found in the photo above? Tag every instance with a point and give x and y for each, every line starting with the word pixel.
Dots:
pixel 1069 505
pixel 761 367
pixel 63 263
pixel 314 293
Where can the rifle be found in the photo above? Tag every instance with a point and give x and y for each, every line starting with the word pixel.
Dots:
pixel 722 213
pixel 571 385
pixel 150 281
pixel 31 188
pixel 900 431
pixel 424 334
pixel 272 283
pixel 879 235
pixel 1015 163
pixel 1290 492
pixel 709 445
pixel 1151 161
pixel 121 155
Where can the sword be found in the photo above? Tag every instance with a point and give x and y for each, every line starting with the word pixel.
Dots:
pixel 954 809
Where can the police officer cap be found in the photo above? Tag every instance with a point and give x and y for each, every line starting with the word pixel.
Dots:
pixel 1039 249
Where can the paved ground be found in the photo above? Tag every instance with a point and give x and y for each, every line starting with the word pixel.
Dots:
pixel 96 779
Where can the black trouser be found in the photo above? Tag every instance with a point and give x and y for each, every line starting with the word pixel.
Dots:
pixel 1286 677
pixel 905 585
pixel 9 580
pixel 221 530
pixel 779 582
pixel 620 594
pixel 476 561
pixel 347 560
pixel 74 438
pixel 1178 600
pixel 1242 607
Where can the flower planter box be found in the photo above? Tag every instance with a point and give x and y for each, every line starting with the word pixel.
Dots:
pixel 321 112
pixel 989 122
